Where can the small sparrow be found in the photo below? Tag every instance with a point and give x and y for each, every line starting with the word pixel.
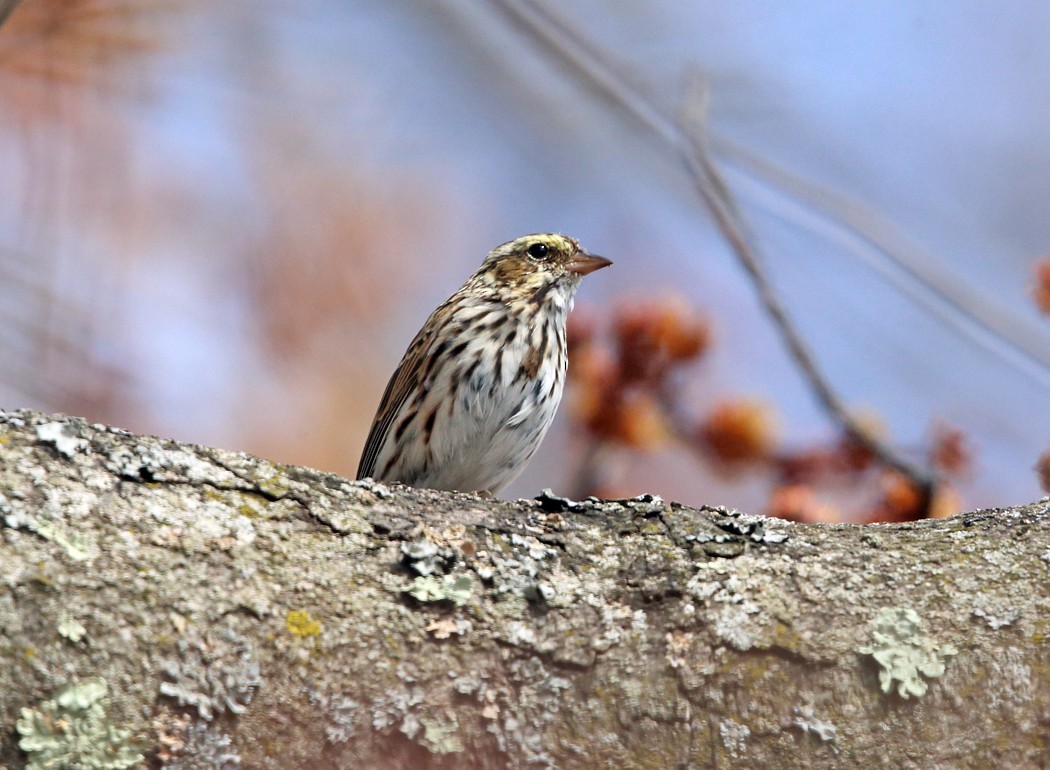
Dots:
pixel 478 387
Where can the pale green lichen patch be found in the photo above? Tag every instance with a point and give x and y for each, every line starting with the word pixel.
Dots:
pixel 441 737
pixel 73 543
pixel 70 628
pixel 905 652
pixel 73 731
pixel 448 588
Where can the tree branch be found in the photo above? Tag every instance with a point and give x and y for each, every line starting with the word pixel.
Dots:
pixel 6 6
pixel 214 605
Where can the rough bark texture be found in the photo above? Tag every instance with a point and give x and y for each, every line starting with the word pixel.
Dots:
pixel 222 609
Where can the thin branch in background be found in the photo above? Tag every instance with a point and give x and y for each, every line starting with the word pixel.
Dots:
pixel 716 194
pixel 6 6
pixel 558 37
pixel 874 241
pixel 1008 338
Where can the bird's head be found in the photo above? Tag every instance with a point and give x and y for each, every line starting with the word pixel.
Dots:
pixel 540 266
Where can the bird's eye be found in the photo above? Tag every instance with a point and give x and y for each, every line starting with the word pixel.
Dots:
pixel 538 250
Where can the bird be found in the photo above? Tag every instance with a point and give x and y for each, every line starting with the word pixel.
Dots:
pixel 480 383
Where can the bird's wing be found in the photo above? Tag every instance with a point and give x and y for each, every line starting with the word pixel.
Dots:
pixel 403 382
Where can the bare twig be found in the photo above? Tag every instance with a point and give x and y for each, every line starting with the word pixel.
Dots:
pixel 576 52
pixel 716 194
pixel 6 6
pixel 871 239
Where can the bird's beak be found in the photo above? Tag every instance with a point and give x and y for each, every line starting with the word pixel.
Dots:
pixel 584 263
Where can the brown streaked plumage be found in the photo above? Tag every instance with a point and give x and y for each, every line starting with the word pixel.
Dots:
pixel 479 385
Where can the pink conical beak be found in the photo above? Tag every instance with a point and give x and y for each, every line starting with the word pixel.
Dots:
pixel 584 263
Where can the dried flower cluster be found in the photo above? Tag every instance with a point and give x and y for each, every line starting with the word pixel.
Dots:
pixel 1041 289
pixel 626 392
pixel 621 396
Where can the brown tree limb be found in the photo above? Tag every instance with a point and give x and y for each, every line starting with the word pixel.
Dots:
pixel 228 607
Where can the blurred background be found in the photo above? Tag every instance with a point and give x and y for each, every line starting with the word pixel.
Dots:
pixel 223 223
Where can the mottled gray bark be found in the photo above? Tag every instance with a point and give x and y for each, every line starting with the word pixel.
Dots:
pixel 205 608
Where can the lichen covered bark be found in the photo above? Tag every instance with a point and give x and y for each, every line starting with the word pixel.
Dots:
pixel 236 611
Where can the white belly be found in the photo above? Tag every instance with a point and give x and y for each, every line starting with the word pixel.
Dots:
pixel 495 427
